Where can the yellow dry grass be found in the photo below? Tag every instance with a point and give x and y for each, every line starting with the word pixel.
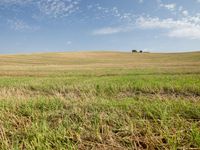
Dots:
pixel 49 63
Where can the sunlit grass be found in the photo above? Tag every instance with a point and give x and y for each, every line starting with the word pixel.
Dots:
pixel 100 101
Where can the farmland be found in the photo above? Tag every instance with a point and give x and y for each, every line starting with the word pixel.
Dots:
pixel 100 100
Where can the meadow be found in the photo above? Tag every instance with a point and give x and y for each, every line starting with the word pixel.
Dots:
pixel 100 100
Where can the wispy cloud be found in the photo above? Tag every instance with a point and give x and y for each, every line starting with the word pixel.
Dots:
pixel 170 7
pixel 112 30
pixel 19 25
pixel 187 26
pixel 52 8
pixel 12 2
pixel 185 12
pixel 173 7
pixel 184 28
pixel 58 8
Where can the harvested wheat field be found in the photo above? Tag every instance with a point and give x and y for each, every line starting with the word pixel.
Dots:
pixel 100 100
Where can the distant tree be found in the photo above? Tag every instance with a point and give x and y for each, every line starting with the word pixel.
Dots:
pixel 141 51
pixel 134 51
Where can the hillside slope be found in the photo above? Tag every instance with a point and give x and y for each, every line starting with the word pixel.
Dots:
pixel 48 63
pixel 100 100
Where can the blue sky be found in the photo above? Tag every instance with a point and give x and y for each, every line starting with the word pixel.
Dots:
pixel 28 26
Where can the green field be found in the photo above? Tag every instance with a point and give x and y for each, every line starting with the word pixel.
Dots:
pixel 100 100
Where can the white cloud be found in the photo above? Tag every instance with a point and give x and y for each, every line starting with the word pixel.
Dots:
pixel 174 8
pixel 58 8
pixel 53 8
pixel 184 28
pixel 19 25
pixel 11 2
pixel 191 33
pixel 111 30
pixel 116 13
pixel 170 7
pixel 185 12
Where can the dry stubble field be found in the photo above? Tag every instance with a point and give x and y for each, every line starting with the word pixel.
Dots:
pixel 100 100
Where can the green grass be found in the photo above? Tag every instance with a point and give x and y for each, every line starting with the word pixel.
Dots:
pixel 127 123
pixel 102 100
